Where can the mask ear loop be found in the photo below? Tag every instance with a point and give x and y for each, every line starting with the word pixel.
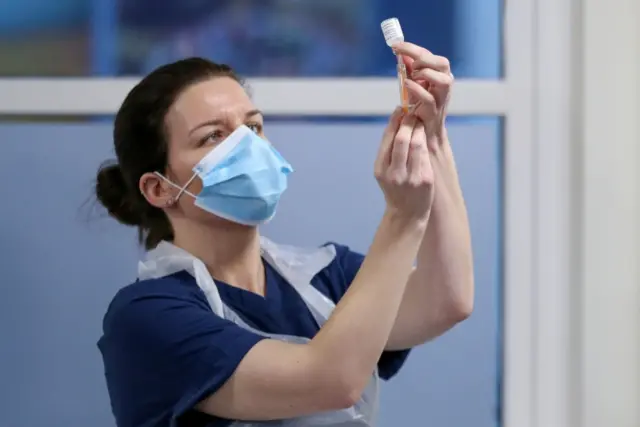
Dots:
pixel 182 189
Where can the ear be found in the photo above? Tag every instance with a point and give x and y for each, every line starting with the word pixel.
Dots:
pixel 158 192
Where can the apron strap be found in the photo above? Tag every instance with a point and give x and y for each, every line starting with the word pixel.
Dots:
pixel 299 267
pixel 166 259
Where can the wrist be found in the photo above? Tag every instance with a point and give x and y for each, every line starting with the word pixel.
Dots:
pixel 448 206
pixel 398 238
pixel 442 151
pixel 401 223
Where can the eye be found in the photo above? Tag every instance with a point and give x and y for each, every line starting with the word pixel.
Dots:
pixel 256 127
pixel 213 137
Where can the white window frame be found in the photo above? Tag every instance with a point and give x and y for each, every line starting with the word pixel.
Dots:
pixel 535 98
pixel 276 96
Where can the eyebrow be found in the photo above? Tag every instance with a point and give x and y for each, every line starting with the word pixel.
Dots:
pixel 217 122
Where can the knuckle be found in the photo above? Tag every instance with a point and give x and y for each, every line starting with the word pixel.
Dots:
pixel 415 182
pixel 429 180
pixel 419 74
pixel 419 64
pixel 445 62
pixel 396 178
pixel 417 144
pixel 401 140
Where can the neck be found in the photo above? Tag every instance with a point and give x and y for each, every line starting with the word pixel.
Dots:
pixel 231 252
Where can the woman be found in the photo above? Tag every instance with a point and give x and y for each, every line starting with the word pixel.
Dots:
pixel 225 328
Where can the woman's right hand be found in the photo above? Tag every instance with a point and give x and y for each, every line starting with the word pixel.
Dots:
pixel 403 168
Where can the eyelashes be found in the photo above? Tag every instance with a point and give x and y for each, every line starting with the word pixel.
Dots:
pixel 256 127
pixel 219 135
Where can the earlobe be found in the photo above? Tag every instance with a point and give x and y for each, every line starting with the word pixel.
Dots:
pixel 156 191
pixel 170 202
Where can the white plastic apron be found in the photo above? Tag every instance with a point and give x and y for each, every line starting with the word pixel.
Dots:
pixel 298 266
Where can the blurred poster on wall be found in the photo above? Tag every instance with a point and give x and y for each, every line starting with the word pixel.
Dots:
pixel 258 37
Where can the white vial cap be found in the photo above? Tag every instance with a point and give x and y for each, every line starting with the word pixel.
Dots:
pixel 392 31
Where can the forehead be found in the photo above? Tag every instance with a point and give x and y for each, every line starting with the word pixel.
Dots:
pixel 216 98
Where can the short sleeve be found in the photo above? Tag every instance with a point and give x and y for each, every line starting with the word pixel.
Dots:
pixel 165 352
pixel 349 263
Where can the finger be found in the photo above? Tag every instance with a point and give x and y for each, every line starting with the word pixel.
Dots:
pixel 420 94
pixel 427 109
pixel 408 63
pixel 438 84
pixel 432 76
pixel 426 169
pixel 435 62
pixel 422 58
pixel 401 142
pixel 417 150
pixel 411 50
pixel 384 152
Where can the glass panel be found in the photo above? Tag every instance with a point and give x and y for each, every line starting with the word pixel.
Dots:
pixel 50 317
pixel 257 37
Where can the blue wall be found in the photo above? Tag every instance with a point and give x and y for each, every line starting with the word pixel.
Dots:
pixel 60 269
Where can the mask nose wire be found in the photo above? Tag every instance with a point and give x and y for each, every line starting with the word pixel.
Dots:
pixel 182 189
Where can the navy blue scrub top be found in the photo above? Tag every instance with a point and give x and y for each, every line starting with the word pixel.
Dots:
pixel 164 350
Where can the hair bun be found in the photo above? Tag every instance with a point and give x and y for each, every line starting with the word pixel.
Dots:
pixel 113 194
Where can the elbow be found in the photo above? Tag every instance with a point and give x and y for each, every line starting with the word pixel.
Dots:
pixel 460 304
pixel 459 309
pixel 349 394
pixel 345 399
pixel 338 381
pixel 340 397
pixel 346 390
pixel 463 310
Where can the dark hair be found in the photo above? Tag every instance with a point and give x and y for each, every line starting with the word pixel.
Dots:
pixel 140 142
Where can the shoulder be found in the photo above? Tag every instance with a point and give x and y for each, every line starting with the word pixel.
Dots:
pixel 162 345
pixel 162 317
pixel 148 297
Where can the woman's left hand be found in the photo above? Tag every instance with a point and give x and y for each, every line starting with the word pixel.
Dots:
pixel 429 84
pixel 440 291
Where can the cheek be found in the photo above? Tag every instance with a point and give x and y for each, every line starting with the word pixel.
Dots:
pixel 182 171
pixel 196 185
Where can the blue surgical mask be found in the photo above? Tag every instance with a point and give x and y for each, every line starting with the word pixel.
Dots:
pixel 242 179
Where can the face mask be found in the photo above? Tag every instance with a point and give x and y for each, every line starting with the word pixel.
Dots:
pixel 242 179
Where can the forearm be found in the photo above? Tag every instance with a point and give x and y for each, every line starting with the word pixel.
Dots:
pixel 357 332
pixel 445 262
pixel 440 290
